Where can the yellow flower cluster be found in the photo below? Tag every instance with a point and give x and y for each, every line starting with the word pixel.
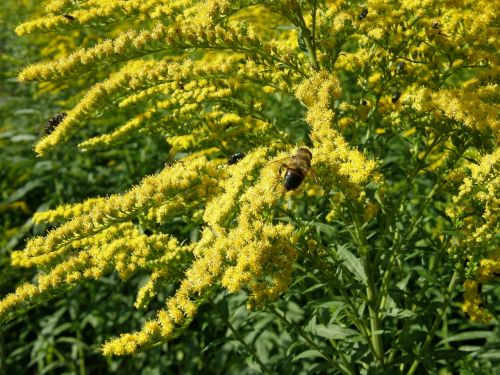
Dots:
pixel 476 210
pixel 219 209
pixel 131 42
pixel 99 237
pixel 489 269
pixel 472 302
pixel 64 15
pixel 147 77
pixel 67 211
pixel 54 6
pixel 469 107
pixel 237 38
pixel 340 164
pixel 253 254
pixel 480 191
pixel 119 248
pixel 181 106
pixel 153 192
pixel 137 75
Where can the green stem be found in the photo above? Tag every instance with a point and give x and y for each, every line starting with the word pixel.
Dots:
pixel 432 271
pixel 240 338
pixel 351 312
pixel 436 324
pixel 371 292
pixel 375 323
pixel 402 240
pixel 399 240
pixel 309 37
pixel 81 353
pixel 344 366
pixel 313 14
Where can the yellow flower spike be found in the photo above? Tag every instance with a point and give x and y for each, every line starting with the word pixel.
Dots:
pixel 462 105
pixel 153 192
pixel 119 135
pixel 472 303
pixel 54 6
pixel 218 209
pixel 331 150
pixel 67 211
pixel 67 271
pixel 479 189
pixel 116 85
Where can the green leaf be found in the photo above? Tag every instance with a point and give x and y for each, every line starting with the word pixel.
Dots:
pixel 471 335
pixel 401 313
pixel 72 340
pixel 442 214
pixel 287 27
pixel 352 263
pixel 324 228
pixel 312 353
pixel 492 354
pixel 333 332
pixel 21 192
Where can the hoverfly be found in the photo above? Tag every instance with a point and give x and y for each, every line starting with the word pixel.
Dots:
pixel 296 168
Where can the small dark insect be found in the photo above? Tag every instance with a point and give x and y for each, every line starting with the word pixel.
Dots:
pixel 296 168
pixel 401 68
pixel 69 17
pixel 395 96
pixel 237 156
pixel 363 14
pixel 436 29
pixel 52 123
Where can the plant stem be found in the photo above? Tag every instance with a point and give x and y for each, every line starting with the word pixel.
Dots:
pixel 81 353
pixel 371 292
pixel 435 325
pixel 240 338
pixel 351 313
pixel 345 368
pixel 432 271
pixel 309 37
pixel 400 240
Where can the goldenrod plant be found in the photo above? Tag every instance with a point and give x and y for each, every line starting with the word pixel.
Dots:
pixel 363 264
